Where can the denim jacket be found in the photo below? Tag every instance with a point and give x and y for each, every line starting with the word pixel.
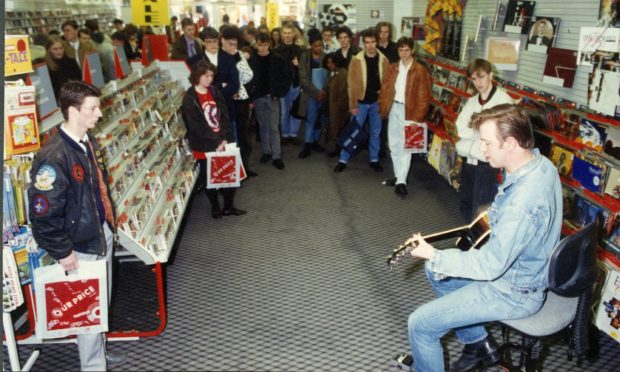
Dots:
pixel 525 220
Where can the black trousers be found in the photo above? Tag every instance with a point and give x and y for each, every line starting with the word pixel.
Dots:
pixel 242 108
pixel 478 188
pixel 228 194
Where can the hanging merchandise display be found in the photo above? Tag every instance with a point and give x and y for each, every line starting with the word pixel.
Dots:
pixel 444 24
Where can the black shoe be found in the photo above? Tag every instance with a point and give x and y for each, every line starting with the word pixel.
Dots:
pixel 216 213
pixel 233 212
pixel 295 141
pixel 389 182
pixel 479 354
pixel 340 167
pixel 251 173
pixel 284 141
pixel 265 158
pixel 376 166
pixel 115 358
pixel 401 189
pixel 306 151
pixel 318 148
pixel 402 361
pixel 278 164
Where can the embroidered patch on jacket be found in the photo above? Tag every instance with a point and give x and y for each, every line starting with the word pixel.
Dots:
pixel 46 175
pixel 40 204
pixel 77 172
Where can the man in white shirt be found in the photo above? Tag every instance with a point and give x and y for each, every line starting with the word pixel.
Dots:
pixel 478 178
pixel 404 97
pixel 72 42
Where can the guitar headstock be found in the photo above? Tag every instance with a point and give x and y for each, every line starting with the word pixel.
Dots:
pixel 399 253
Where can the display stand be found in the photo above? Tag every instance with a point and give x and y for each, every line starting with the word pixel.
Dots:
pixel 151 177
pixel 11 345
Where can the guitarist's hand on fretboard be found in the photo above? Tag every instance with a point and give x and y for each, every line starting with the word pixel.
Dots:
pixel 422 248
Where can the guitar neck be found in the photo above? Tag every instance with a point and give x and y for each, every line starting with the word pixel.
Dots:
pixel 446 234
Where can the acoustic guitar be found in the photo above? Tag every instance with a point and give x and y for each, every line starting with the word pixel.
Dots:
pixel 469 236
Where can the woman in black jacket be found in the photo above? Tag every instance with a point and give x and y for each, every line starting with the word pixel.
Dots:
pixel 61 67
pixel 205 114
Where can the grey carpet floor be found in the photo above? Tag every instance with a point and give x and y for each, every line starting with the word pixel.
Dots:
pixel 301 282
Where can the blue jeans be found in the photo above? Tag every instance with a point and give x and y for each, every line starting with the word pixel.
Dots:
pixel 370 110
pixel 311 133
pixel 289 124
pixel 463 305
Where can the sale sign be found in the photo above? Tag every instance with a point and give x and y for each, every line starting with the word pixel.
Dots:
pixel 16 55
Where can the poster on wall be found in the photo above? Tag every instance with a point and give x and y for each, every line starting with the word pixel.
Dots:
pixel 603 95
pixel 16 55
pixel 608 13
pixel 21 131
pixel 596 39
pixel 542 34
pixel 518 16
pixel 560 67
pixel 337 15
pixel 503 52
pixel 406 25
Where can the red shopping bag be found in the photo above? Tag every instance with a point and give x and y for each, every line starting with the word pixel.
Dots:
pixel 71 304
pixel 223 169
pixel 415 137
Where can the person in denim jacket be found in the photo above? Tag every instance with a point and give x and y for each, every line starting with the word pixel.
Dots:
pixel 507 277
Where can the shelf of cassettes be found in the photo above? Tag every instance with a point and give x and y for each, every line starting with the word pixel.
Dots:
pixel 456 90
pixel 152 247
pixel 439 132
pixel 147 195
pixel 27 22
pixel 448 113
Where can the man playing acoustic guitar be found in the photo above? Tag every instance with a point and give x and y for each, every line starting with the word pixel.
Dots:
pixel 507 277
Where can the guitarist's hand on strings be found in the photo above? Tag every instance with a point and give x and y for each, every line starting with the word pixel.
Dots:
pixel 422 248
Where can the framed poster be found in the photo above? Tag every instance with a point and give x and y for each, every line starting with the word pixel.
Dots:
pixel 503 52
pixel 542 34
pixel 596 39
pixel 518 16
pixel 560 67
pixel 21 131
pixel 337 15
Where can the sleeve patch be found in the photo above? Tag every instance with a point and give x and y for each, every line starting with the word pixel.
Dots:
pixel 40 204
pixel 77 173
pixel 46 175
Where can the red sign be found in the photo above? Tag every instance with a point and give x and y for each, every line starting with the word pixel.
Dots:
pixel 415 138
pixel 72 304
pixel 223 170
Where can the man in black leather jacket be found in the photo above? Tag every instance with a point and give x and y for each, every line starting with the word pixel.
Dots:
pixel 70 208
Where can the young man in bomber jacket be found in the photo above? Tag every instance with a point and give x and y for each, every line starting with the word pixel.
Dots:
pixel 70 207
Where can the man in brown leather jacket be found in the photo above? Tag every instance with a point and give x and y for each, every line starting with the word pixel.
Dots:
pixel 404 97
